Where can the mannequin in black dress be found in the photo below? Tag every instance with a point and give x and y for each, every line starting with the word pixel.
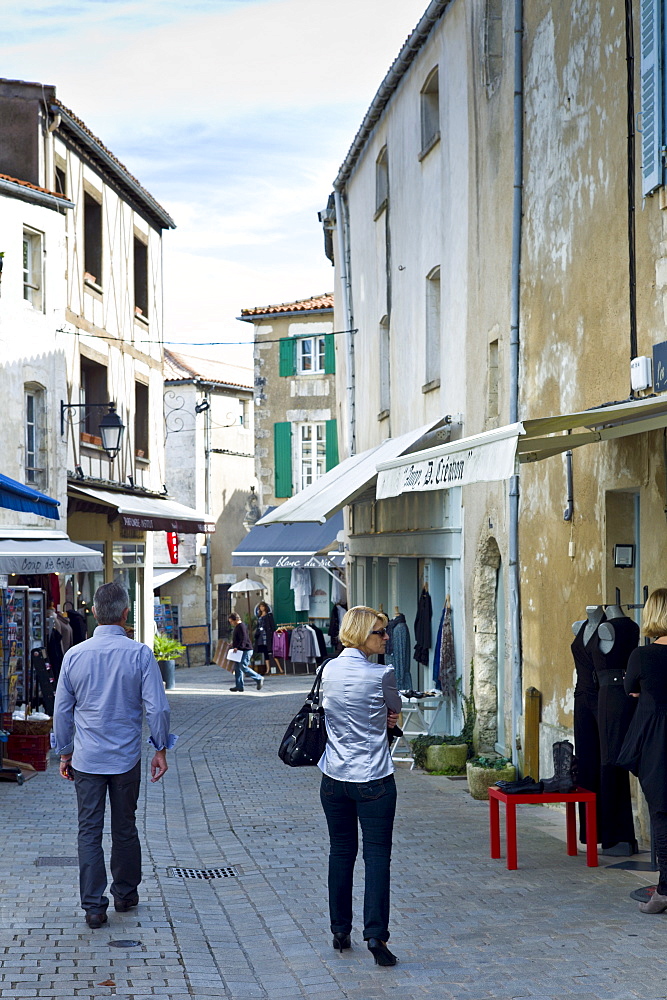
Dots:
pixel 645 747
pixel 602 713
pixel 618 636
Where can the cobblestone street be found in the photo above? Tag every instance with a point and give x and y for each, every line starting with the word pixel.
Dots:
pixel 462 925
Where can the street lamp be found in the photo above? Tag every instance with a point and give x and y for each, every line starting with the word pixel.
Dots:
pixel 111 426
pixel 111 431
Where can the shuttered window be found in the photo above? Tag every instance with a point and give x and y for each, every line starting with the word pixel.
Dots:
pixel 288 357
pixel 331 444
pixel 282 450
pixel 329 355
pixel 651 94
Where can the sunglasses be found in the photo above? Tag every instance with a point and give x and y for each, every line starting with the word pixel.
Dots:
pixel 379 631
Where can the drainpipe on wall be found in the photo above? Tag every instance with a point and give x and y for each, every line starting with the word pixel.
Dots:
pixel 343 259
pixel 207 538
pixel 514 569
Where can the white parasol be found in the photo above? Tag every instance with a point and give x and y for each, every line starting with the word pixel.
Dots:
pixel 246 587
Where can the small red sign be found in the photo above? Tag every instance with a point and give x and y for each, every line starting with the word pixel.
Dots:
pixel 172 545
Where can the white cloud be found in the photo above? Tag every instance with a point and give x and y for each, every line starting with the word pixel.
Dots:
pixel 235 115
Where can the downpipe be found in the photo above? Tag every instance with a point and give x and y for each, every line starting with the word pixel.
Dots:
pixel 514 496
pixel 343 258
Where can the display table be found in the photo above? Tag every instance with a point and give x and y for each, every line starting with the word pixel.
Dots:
pixel 569 798
pixel 414 723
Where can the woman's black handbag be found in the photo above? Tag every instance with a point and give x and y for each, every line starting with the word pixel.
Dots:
pixel 306 736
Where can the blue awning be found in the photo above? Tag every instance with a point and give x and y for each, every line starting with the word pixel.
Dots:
pixel 291 545
pixel 16 496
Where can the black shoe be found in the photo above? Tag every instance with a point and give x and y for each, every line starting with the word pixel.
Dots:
pixel 525 786
pixel 95 919
pixel 240 690
pixel 341 941
pixel 381 953
pixel 123 905
pixel 260 683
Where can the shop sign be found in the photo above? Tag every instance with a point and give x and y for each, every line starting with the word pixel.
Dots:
pixel 660 367
pixel 172 545
pixel 304 561
pixel 140 522
pixel 482 463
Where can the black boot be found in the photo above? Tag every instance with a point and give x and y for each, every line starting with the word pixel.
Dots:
pixel 564 779
pixel 524 786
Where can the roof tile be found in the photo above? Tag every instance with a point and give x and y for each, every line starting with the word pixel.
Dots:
pixel 324 302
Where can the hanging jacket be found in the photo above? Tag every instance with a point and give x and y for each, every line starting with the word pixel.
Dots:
pixel 301 583
pixel 423 628
pixel 400 637
pixel 78 624
pixel 446 661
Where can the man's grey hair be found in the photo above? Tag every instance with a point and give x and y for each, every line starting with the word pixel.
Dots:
pixel 109 602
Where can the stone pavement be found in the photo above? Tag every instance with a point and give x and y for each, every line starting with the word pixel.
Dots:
pixel 463 926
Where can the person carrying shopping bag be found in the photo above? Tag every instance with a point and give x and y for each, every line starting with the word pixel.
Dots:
pixel 361 701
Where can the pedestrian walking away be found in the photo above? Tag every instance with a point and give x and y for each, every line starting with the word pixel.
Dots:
pixel 241 641
pixel 645 744
pixel 105 684
pixel 361 701
pixel 264 633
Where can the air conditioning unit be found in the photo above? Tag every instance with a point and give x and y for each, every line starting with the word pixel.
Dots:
pixel 641 373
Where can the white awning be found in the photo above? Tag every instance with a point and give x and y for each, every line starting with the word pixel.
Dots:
pixel 145 513
pixel 165 574
pixel 343 483
pixel 494 455
pixel 48 555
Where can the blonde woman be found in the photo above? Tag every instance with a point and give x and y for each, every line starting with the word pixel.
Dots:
pixel 358 788
pixel 644 750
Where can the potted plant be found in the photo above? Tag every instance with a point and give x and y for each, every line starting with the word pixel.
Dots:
pixel 166 651
pixel 485 771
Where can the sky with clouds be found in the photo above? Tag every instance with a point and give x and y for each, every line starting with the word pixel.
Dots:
pixel 234 114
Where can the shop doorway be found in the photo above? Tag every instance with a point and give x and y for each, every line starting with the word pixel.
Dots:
pixel 623 557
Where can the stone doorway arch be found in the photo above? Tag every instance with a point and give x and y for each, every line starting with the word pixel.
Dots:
pixel 485 624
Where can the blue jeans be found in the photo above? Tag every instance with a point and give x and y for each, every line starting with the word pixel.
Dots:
pixel 373 805
pixel 242 668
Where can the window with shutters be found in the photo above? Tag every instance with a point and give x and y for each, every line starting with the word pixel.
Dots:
pixel 311 457
pixel 92 239
pixel 381 182
pixel 432 331
pixel 385 369
pixel 35 435
pixel 33 271
pixel 310 356
pixel 652 82
pixel 282 457
pixel 140 279
pixel 430 112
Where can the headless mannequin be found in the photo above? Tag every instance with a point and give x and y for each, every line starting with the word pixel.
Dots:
pixel 602 713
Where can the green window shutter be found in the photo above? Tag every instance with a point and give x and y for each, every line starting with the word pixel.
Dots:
pixel 329 354
pixel 331 444
pixel 282 449
pixel 651 94
pixel 287 356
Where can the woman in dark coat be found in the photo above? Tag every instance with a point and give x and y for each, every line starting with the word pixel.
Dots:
pixel 264 632
pixel 644 750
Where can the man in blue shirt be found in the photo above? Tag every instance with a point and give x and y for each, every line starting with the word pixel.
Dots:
pixel 105 684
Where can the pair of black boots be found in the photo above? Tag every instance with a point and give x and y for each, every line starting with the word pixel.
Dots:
pixel 564 777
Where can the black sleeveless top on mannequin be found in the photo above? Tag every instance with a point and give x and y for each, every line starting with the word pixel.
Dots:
pixel 615 708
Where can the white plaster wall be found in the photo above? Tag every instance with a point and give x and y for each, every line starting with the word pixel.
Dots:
pixel 428 219
pixel 32 350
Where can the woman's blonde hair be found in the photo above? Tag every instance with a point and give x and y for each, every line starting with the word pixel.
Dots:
pixel 654 616
pixel 358 624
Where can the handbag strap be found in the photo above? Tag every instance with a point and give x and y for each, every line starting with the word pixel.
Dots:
pixel 314 696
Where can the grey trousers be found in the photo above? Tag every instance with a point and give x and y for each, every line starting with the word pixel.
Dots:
pixel 91 794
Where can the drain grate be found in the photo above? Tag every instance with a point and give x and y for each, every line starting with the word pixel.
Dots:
pixel 203 873
pixel 56 862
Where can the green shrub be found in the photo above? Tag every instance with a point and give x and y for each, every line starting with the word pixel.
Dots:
pixel 491 763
